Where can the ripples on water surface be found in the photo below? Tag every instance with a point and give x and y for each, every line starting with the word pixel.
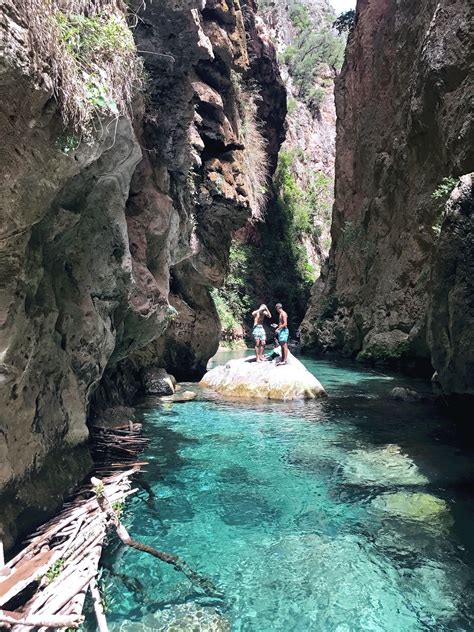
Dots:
pixel 351 513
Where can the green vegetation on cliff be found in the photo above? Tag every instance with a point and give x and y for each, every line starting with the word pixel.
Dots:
pixel 276 266
pixel 345 22
pixel 101 54
pixel 255 156
pixel 312 48
pixel 90 56
pixel 307 207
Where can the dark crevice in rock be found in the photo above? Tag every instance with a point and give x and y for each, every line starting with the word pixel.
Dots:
pixel 214 15
pixel 215 73
pixel 214 148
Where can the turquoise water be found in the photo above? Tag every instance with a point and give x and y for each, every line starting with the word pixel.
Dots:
pixel 351 513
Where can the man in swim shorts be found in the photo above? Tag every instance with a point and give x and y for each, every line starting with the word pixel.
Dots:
pixel 259 332
pixel 283 333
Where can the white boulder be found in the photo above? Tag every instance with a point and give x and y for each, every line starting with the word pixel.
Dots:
pixel 264 380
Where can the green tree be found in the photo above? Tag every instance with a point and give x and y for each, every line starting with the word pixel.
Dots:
pixel 299 16
pixel 305 57
pixel 346 22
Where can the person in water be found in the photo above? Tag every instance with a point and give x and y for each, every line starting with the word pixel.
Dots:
pixel 282 332
pixel 259 332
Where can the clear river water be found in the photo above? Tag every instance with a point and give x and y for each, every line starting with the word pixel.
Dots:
pixel 347 514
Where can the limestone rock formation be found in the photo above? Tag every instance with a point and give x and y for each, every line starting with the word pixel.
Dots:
pixel 157 381
pixel 405 122
pixel 107 240
pixel 264 380
pixel 451 306
pixel 311 126
pixel 202 101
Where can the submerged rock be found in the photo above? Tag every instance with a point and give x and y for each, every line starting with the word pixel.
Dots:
pixel 247 378
pixel 404 394
pixel 157 381
pixel 179 618
pixel 417 506
pixel 382 466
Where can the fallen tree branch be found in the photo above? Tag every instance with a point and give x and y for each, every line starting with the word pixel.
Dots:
pixel 205 583
pixel 50 576
pixel 98 608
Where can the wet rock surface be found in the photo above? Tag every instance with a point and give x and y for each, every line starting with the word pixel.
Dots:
pixel 404 394
pixel 157 381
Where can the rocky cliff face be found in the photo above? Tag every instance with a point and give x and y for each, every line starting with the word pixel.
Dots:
pixel 238 96
pixel 405 122
pixel 451 300
pixel 311 119
pixel 294 233
pixel 108 247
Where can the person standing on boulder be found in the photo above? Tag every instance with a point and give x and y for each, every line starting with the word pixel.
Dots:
pixel 283 333
pixel 258 331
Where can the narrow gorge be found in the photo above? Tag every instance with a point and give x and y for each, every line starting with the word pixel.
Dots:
pixel 166 167
pixel 294 235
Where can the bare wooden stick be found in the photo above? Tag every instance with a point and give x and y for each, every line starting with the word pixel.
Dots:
pixel 72 537
pixel 203 582
pixel 49 621
pixel 24 575
pixel 98 608
pixel 59 600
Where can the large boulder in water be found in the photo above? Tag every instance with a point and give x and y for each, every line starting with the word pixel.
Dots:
pixel 265 380
pixel 157 381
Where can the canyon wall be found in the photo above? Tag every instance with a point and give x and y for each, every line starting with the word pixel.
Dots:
pixel 309 147
pixel 405 125
pixel 294 234
pixel 109 245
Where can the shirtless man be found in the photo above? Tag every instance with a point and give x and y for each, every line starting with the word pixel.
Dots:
pixel 258 330
pixel 283 333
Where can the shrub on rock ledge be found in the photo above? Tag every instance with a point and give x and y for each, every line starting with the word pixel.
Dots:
pixel 85 54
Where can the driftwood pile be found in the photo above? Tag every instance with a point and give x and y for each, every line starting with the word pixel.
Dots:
pixel 117 449
pixel 44 586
